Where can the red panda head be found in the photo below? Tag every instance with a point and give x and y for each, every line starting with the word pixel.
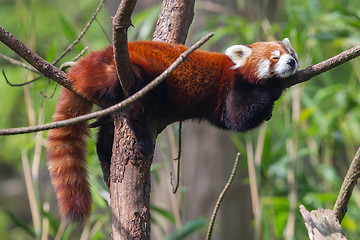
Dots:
pixel 261 61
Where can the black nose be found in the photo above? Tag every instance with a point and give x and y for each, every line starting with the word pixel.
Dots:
pixel 291 62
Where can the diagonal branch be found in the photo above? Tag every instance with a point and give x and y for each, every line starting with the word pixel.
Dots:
pixel 347 187
pixel 328 64
pixel 122 104
pixel 77 40
pixel 34 59
pixel 38 62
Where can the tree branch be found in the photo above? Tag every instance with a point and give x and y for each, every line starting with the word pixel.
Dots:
pixel 221 196
pixel 314 70
pixel 121 23
pixel 174 21
pixel 34 59
pixel 77 40
pixel 352 175
pixel 16 62
pixel 122 104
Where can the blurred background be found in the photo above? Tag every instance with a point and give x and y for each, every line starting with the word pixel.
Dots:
pixel 299 157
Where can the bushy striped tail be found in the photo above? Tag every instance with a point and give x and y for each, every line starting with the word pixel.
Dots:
pixel 67 148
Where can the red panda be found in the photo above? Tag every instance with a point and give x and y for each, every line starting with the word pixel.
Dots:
pixel 234 91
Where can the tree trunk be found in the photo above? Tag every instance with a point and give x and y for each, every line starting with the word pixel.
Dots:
pixel 130 171
pixel 130 179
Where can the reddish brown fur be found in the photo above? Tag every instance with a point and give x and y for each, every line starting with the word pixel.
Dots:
pixel 67 158
pixel 95 76
pixel 204 76
pixel 209 76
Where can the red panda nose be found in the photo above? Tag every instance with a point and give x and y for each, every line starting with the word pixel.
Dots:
pixel 291 62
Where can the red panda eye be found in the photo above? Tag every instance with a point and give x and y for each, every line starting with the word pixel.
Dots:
pixel 275 58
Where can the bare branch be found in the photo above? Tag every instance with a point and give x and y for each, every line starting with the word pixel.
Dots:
pixel 121 23
pixel 352 175
pixel 16 62
pixel 314 70
pixel 16 85
pixel 178 159
pixel 221 196
pixel 34 59
pixel 68 49
pixel 122 104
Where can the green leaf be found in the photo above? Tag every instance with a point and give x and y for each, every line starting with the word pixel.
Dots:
pixel 21 224
pixel 187 229
pixel 163 212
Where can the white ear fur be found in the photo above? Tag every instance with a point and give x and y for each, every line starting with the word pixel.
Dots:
pixel 238 54
pixel 287 42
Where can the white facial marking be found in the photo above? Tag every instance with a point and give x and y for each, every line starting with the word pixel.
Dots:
pixel 283 68
pixel 263 69
pixel 276 53
pixel 238 54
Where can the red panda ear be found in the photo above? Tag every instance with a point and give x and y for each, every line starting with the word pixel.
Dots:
pixel 286 41
pixel 238 54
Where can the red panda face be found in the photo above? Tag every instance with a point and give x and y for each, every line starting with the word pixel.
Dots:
pixel 261 61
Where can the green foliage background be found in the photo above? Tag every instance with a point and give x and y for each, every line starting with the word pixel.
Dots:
pixel 313 134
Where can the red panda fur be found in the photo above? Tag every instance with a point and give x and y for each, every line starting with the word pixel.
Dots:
pixel 207 86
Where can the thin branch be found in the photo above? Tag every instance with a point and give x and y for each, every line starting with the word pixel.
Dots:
pixel 122 104
pixel 34 59
pixel 121 23
pixel 314 70
pixel 221 196
pixel 174 190
pixel 18 84
pixel 352 175
pixel 103 30
pixel 68 49
pixel 18 63
pixel 13 61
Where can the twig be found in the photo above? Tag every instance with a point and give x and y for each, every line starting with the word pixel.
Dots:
pixel 62 67
pixel 221 196
pixel 122 104
pixel 16 62
pixel 16 84
pixel 42 66
pixel 103 30
pixel 352 175
pixel 68 49
pixel 34 59
pixel 174 190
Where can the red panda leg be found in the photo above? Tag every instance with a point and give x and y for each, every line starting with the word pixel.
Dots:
pixel 104 146
pixel 139 121
pixel 67 158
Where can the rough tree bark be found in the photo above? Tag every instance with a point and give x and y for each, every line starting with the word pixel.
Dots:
pixel 130 170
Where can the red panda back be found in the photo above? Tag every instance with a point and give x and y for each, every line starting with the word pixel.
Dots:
pixel 203 76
